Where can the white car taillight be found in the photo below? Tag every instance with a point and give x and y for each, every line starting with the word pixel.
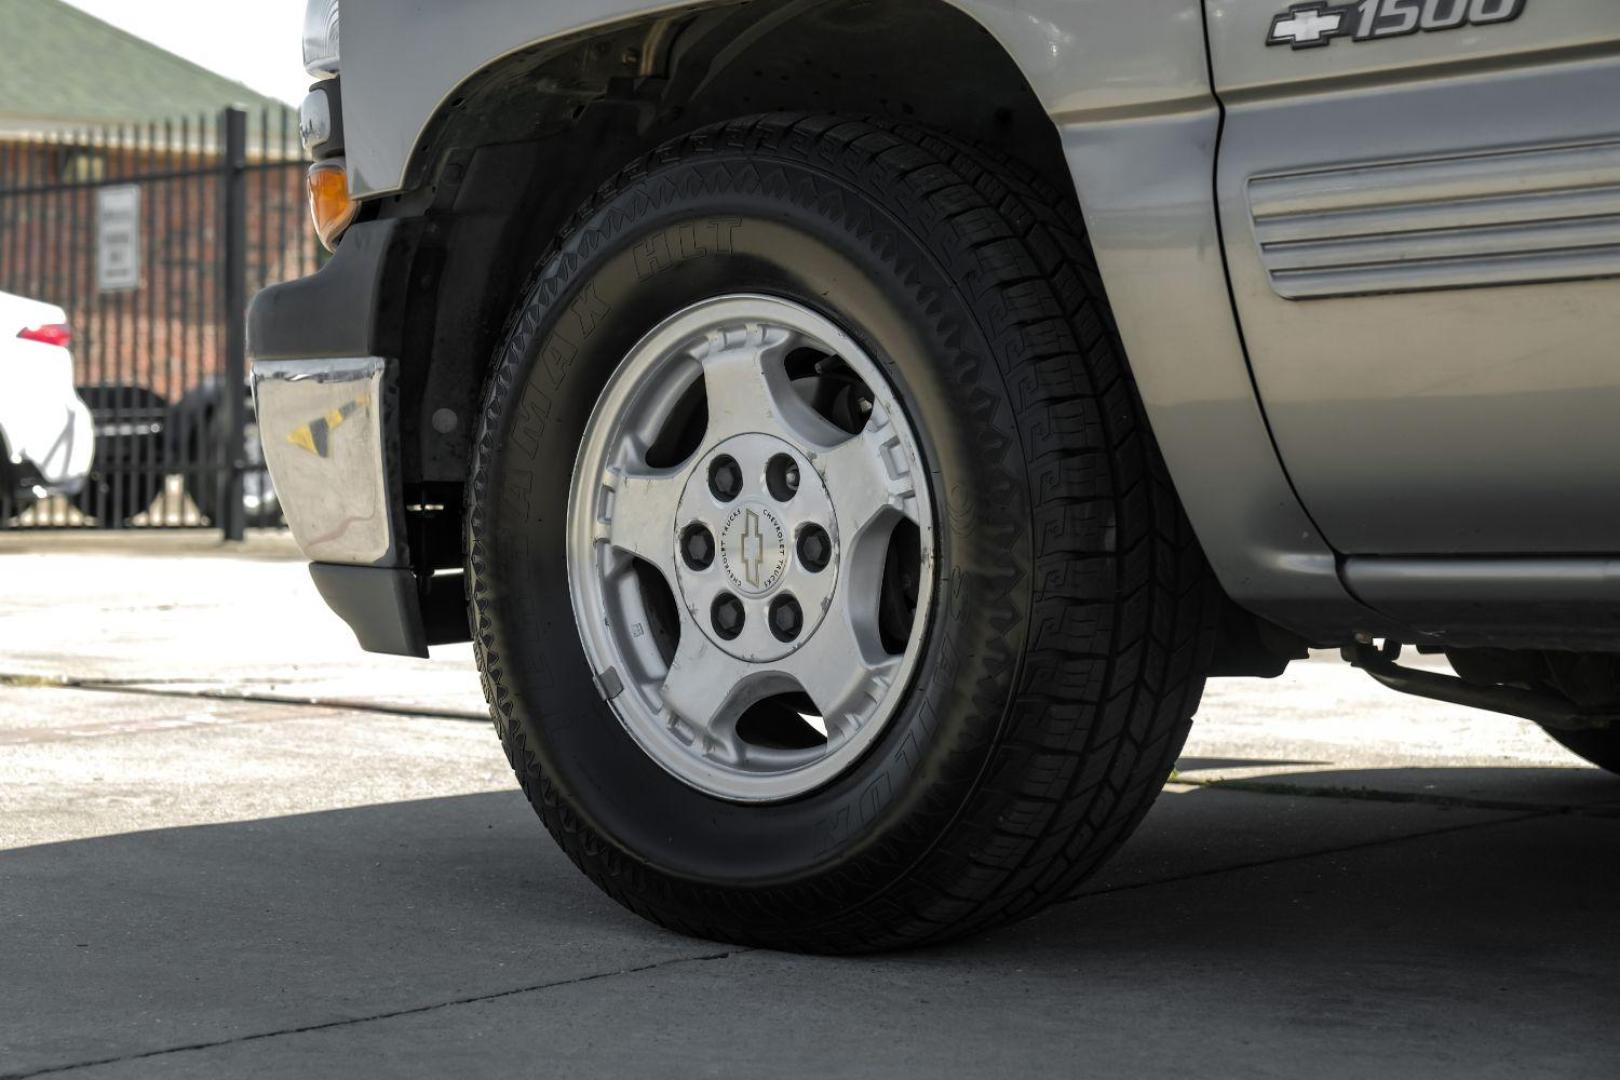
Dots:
pixel 48 334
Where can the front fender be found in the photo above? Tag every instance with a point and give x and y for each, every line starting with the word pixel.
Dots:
pixel 1127 87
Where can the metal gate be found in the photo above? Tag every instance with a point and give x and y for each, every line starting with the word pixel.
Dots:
pixel 152 237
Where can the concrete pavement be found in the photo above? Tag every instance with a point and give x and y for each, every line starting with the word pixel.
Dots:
pixel 232 844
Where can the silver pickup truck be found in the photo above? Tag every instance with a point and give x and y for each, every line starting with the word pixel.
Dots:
pixel 851 431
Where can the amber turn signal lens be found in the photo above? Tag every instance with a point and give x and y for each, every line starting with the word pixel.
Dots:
pixel 330 207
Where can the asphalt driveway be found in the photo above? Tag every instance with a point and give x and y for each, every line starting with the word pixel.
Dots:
pixel 232 844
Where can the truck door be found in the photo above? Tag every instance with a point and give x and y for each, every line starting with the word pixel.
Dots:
pixel 1420 202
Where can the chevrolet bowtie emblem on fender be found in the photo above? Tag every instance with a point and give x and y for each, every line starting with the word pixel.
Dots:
pixel 1320 23
pixel 1307 25
pixel 316 435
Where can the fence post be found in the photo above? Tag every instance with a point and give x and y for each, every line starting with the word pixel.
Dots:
pixel 233 178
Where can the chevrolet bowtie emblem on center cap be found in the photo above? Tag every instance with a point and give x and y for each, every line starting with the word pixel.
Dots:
pixel 753 549
pixel 1313 25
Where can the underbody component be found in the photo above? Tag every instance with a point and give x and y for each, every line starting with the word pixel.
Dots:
pixel 1543 706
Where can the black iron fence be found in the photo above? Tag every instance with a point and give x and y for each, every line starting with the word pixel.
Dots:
pixel 152 237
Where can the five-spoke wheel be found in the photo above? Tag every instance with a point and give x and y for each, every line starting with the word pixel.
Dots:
pixel 747 506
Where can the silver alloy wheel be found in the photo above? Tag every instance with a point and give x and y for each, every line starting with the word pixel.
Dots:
pixel 754 568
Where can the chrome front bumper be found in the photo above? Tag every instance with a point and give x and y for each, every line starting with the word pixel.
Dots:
pixel 325 442
pixel 328 446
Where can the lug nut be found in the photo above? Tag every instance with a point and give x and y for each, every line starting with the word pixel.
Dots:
pixel 727 616
pixel 782 477
pixel 697 547
pixel 725 478
pixel 786 618
pixel 815 548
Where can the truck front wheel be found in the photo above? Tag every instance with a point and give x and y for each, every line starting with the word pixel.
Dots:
pixel 826 584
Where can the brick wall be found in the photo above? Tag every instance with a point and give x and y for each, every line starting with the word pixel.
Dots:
pixel 165 334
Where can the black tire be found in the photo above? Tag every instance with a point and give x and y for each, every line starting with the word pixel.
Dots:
pixel 15 500
pixel 1066 654
pixel 13 508
pixel 1601 748
pixel 261 508
pixel 127 472
pixel 117 499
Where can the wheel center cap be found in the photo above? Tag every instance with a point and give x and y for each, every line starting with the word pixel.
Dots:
pixel 753 549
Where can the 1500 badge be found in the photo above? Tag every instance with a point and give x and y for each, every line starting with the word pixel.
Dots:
pixel 1310 26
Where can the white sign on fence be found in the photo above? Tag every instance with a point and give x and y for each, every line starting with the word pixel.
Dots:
pixel 118 238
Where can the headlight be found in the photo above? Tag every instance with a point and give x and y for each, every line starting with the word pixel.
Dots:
pixel 321 38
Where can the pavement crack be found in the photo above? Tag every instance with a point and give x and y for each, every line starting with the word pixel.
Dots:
pixel 476 999
pixel 1455 802
pixel 168 689
pixel 1277 860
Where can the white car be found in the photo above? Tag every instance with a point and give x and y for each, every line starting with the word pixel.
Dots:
pixel 47 438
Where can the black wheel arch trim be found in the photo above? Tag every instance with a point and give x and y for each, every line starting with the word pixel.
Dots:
pixel 352 306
